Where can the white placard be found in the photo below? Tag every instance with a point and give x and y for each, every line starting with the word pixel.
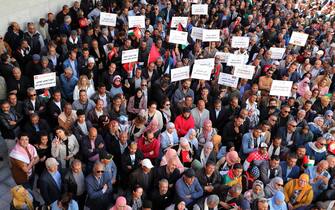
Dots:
pixel 228 80
pixel 210 35
pixel 298 38
pixel 244 71
pixel 281 88
pixel 240 42
pixel 277 53
pixel 136 21
pixel 223 56
pixel 181 73
pixel 176 20
pixel 202 69
pixel 199 9
pixel 47 80
pixel 197 33
pixel 235 60
pixel 178 37
pixel 129 56
pixel 108 19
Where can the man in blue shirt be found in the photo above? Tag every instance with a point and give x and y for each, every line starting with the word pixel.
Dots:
pixel 188 188
pixel 67 83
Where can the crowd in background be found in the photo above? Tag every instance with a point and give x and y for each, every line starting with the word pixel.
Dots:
pixel 123 136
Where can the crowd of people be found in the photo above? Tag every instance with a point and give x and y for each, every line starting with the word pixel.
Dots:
pixel 123 136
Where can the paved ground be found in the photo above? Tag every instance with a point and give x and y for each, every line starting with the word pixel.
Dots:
pixel 6 180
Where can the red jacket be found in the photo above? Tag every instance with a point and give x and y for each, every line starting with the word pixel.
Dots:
pixel 147 148
pixel 183 125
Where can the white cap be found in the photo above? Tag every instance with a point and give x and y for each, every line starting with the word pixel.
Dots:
pixel 147 163
pixel 332 45
pixel 90 60
pixel 263 145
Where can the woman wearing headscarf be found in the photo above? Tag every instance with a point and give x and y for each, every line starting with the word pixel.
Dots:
pixel 171 154
pixel 207 154
pixel 298 192
pixel 191 136
pixel 136 103
pixel 206 132
pixel 316 127
pixel 303 86
pixel 116 86
pixel 329 121
pixel 154 127
pixel 21 198
pixel 185 152
pixel 276 184
pixel 256 192
pixel 121 204
pixel 169 138
pixel 277 202
pixel 227 162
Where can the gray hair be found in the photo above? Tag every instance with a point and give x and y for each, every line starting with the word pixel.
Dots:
pixel 51 162
pixel 163 181
pixel 213 199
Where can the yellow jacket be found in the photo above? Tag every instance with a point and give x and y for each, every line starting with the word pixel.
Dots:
pixel 304 198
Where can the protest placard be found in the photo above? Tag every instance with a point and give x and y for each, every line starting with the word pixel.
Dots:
pixel 181 73
pixel 228 80
pixel 178 37
pixel 244 71
pixel 199 9
pixel 298 38
pixel 136 21
pixel 178 20
pixel 223 56
pixel 235 60
pixel 196 33
pixel 47 80
pixel 281 88
pixel 129 56
pixel 202 69
pixel 210 35
pixel 277 53
pixel 107 19
pixel 240 42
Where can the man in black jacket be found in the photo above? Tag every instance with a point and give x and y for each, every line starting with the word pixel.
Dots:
pixel 130 161
pixel 169 172
pixel 50 182
pixel 162 197
pixel 14 35
pixel 74 182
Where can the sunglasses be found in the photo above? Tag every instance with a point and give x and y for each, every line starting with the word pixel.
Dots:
pixel 33 95
pixel 100 172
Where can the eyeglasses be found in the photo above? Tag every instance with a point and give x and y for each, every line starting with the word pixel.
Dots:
pixel 100 172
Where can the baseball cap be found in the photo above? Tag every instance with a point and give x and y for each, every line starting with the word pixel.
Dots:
pixel 105 155
pixel 263 145
pixel 147 163
pixel 36 57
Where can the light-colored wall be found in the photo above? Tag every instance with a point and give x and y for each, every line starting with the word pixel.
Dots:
pixel 23 11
